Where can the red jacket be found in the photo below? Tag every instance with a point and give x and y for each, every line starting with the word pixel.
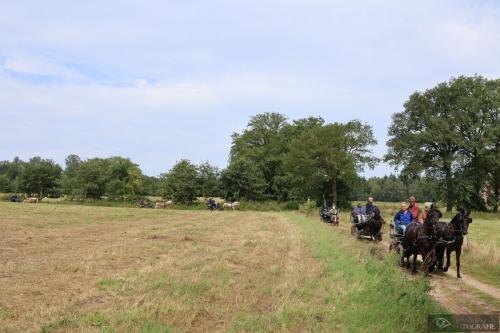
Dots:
pixel 414 211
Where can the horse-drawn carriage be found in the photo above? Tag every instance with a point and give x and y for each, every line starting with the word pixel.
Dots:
pixel 330 216
pixel 431 239
pixel 364 226
pixel 146 203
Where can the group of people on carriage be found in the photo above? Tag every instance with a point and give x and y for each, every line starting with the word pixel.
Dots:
pixel 429 237
pixel 330 215
pixel 367 221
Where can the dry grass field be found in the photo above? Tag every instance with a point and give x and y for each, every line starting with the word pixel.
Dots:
pixel 70 268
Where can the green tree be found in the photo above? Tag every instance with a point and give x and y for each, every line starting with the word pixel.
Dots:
pixel 209 180
pixel 243 179
pixel 12 171
pixel 40 176
pixel 91 178
pixel 441 132
pixel 263 143
pixel 72 163
pixel 181 182
pixel 125 178
pixel 5 183
pixel 329 154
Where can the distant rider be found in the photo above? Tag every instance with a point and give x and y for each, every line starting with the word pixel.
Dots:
pixel 402 219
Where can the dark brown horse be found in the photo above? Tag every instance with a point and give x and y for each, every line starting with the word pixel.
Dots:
pixel 375 225
pixel 459 227
pixel 420 239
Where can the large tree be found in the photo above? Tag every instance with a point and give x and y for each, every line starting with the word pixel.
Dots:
pixel 91 178
pixel 181 182
pixel 125 178
pixel 443 132
pixel 263 144
pixel 243 179
pixel 209 180
pixel 330 154
pixel 40 177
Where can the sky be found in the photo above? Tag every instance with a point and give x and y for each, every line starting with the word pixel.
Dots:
pixel 158 81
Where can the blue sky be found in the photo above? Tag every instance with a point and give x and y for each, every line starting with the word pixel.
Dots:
pixel 158 81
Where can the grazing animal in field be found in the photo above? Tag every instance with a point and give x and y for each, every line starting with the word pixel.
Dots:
pixel 31 200
pixel 459 226
pixel 231 206
pixel 420 239
pixel 164 204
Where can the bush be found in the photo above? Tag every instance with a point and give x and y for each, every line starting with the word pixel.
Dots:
pixel 309 207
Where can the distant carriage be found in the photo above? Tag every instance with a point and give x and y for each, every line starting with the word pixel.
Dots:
pixel 330 216
pixel 364 226
pixel 14 198
pixel 146 203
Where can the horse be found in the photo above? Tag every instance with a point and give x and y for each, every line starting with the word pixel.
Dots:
pixel 420 239
pixel 459 226
pixel 231 206
pixel 375 225
pixel 164 204
pixel 31 200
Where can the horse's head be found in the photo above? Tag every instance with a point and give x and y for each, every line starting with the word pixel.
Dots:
pixel 433 215
pixel 461 221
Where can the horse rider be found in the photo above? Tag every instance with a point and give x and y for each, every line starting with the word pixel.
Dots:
pixel 414 208
pixel 357 211
pixel 370 206
pixel 402 219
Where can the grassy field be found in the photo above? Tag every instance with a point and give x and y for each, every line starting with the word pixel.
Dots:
pixel 101 269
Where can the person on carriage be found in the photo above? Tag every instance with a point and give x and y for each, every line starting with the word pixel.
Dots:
pixel 211 203
pixel 334 210
pixel 358 211
pixel 414 210
pixel 402 219
pixel 370 206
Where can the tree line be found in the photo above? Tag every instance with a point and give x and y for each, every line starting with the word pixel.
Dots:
pixel 445 144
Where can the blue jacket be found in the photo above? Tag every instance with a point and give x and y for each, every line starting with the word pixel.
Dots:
pixel 359 210
pixel 370 208
pixel 403 218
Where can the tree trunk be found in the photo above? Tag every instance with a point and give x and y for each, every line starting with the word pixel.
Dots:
pixel 449 187
pixel 496 192
pixel 334 191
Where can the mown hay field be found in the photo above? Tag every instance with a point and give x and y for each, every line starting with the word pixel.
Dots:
pixel 102 269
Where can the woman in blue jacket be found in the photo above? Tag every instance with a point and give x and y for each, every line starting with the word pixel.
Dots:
pixel 403 218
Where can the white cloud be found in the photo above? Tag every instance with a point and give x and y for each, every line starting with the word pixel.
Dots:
pixel 144 97
pixel 33 65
